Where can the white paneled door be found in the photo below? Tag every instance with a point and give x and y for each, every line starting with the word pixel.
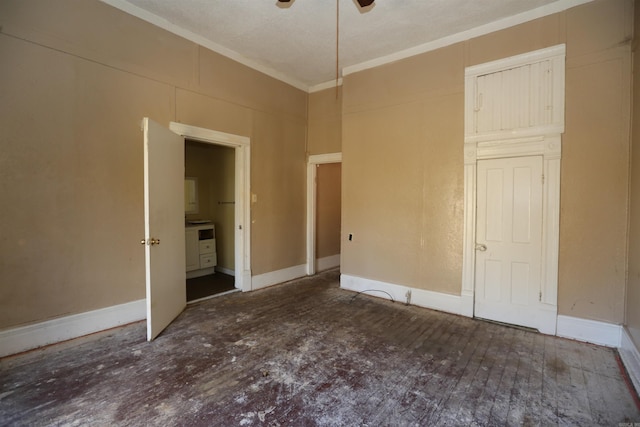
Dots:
pixel 509 240
pixel 164 226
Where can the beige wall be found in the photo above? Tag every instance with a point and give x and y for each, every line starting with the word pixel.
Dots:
pixel 328 209
pixel 325 122
pixel 214 166
pixel 75 87
pixel 403 167
pixel 402 172
pixel 633 287
pixel 71 165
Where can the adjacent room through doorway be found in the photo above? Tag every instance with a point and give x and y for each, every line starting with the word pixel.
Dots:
pixel 209 219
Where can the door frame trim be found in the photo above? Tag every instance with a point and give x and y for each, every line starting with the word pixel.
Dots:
pixel 312 162
pixel 550 148
pixel 242 146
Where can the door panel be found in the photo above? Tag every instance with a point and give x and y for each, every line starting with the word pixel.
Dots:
pixel 509 225
pixel 164 226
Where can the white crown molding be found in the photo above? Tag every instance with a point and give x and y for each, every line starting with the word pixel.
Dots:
pixel 511 21
pixel 204 42
pixel 482 30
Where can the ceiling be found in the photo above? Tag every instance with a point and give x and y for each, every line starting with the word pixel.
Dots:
pixel 296 42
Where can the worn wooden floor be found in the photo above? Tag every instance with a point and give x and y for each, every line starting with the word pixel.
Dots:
pixel 212 284
pixel 307 354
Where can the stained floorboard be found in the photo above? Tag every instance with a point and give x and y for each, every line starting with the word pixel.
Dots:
pixel 212 284
pixel 307 353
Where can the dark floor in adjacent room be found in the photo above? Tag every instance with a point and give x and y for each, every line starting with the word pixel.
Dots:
pixel 307 353
pixel 212 284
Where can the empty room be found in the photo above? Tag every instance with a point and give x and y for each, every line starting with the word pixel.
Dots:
pixel 408 212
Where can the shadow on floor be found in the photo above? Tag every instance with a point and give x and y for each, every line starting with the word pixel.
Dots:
pixel 201 287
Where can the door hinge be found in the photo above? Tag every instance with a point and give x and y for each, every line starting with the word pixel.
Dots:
pixel 543 179
pixel 540 296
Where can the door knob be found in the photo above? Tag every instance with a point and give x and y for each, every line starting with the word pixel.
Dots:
pixel 480 247
pixel 152 241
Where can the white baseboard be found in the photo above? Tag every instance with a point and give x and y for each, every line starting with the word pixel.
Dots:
pixel 592 331
pixel 630 355
pixel 428 299
pixel 601 333
pixel 28 337
pixel 199 273
pixel 227 271
pixel 279 276
pixel 328 262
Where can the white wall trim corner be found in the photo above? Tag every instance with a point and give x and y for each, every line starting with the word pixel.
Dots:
pixel 420 297
pixel 276 277
pixel 630 355
pixel 53 331
pixel 591 331
pixel 328 262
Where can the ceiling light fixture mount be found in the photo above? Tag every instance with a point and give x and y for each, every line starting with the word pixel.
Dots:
pixel 362 3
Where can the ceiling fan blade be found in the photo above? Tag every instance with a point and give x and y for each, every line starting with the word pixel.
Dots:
pixel 365 3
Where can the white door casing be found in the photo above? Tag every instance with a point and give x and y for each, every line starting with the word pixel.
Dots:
pixel 165 272
pixel 509 240
pixel 312 163
pixel 521 124
pixel 241 145
pixel 549 147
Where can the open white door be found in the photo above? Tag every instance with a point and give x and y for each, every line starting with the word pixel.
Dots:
pixel 163 226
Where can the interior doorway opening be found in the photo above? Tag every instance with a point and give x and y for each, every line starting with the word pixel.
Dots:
pixel 227 201
pixel 209 219
pixel 320 255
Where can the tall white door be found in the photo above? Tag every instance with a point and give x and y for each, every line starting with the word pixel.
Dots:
pixel 163 226
pixel 509 240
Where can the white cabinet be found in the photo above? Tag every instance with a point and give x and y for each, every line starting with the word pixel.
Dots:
pixel 200 250
pixel 192 249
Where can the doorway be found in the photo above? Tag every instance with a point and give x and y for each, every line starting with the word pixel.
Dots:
pixel 237 237
pixel 514 109
pixel 509 240
pixel 324 257
pixel 209 219
pixel 164 214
